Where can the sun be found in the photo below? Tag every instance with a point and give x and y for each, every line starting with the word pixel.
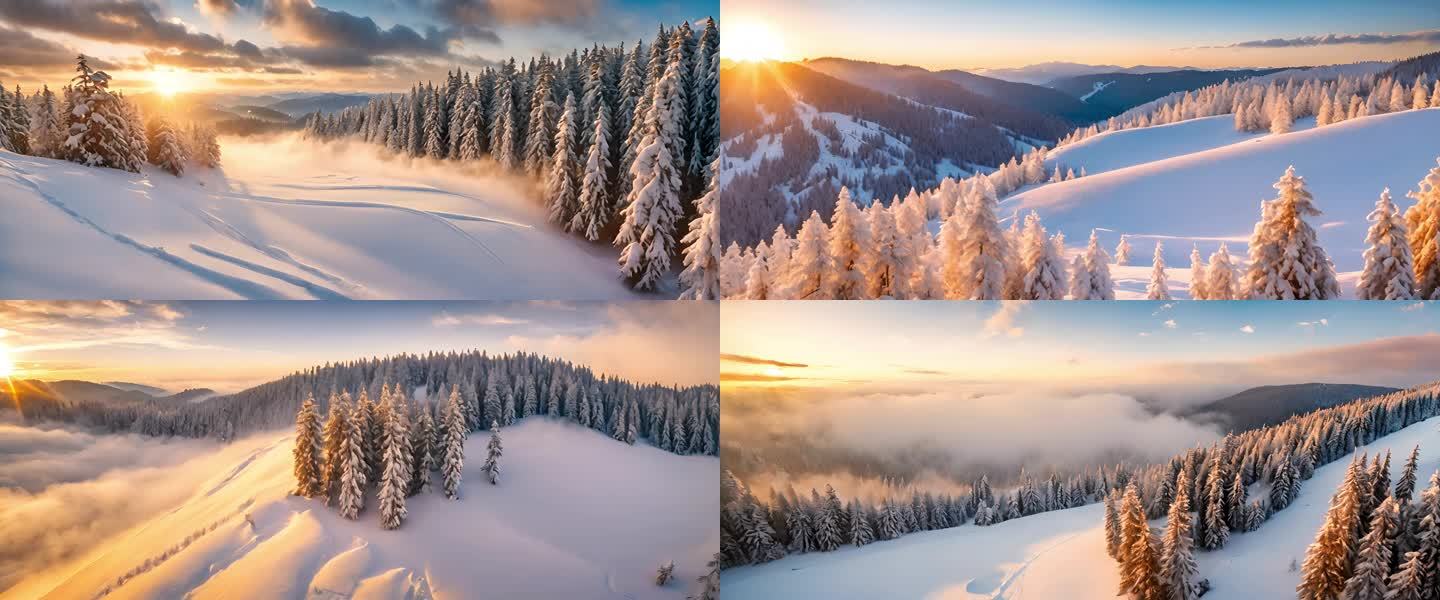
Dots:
pixel 752 41
pixel 774 371
pixel 167 82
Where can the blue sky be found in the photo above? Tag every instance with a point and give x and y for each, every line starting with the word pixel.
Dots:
pixel 1120 342
pixel 992 33
pixel 231 345
pixel 338 45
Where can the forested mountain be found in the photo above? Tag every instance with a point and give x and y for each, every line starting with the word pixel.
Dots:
pixel 1046 72
pixel 1109 94
pixel 1272 404
pixel 683 420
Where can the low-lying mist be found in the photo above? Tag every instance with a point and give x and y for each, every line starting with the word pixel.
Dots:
pixel 64 490
pixel 942 437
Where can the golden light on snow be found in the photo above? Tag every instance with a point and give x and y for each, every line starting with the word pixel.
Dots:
pixel 752 40
pixel 167 82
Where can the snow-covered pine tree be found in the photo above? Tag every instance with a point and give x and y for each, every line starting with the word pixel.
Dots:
pixel 308 444
pixel 647 232
pixel 1177 560
pixel 542 136
pixel 1422 221
pixel 595 205
pixel 452 453
pixel 491 468
pixel 1286 260
pixel 828 528
pixel 164 146
pixel 1044 268
pixel 433 125
pixel 861 533
pixel 974 250
pixel 48 135
pixel 1079 278
pixel 884 254
pixel 19 124
pixel 333 461
pixel 1158 289
pixel 810 261
pixel 422 448
pixel 97 130
pixel 397 461
pixel 702 243
pixel 1389 271
pixel 1139 565
pixel 1327 563
pixel 849 241
pixel 1220 280
pixel 1373 558
pixel 1097 268
pixel 1122 251
pixel 1197 275
pixel 352 464
pixel 561 185
pixel 1214 509
pixel 1112 527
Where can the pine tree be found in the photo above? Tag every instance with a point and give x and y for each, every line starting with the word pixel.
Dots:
pixel 647 233
pixel 1158 289
pixel 1422 221
pixel 336 430
pixel 544 135
pixel 422 447
pixel 452 452
pixel 19 123
pixel 1139 566
pixel 1095 284
pixel 1286 260
pixel 433 124
pixel 974 249
pixel 1220 282
pixel 164 146
pixel 1177 560
pixel 810 261
pixel 560 183
pixel 352 465
pixel 827 522
pixel 1197 275
pixel 1372 561
pixel 595 206
pixel 1389 271
pixel 849 240
pixel 1112 527
pixel 1044 269
pixel 308 474
pixel 1328 561
pixel 702 245
pixel 97 129
pixel 395 475
pixel 48 135
pixel 1122 252
pixel 861 533
pixel 1216 528
pixel 492 459
pixel 1405 486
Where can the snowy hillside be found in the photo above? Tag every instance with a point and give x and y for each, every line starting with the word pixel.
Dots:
pixel 577 515
pixel 1060 554
pixel 1212 195
pixel 286 219
pixel 1129 147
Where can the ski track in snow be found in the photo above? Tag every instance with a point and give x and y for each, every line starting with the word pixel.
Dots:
pixel 248 289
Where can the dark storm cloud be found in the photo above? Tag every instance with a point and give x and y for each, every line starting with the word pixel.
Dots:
pixel 119 21
pixel 1332 39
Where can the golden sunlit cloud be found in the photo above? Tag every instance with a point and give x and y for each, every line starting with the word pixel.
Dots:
pixel 7 364
pixel 752 41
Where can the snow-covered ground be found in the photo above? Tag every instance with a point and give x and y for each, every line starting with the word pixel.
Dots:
pixel 1202 182
pixel 287 218
pixel 1061 554
pixel 577 515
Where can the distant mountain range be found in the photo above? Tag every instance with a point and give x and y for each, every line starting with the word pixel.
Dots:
pixel 1271 404
pixel 49 398
pixel 1046 72
pixel 1109 94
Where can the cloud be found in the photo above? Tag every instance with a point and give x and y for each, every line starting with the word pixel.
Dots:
pixel 116 21
pixel 315 27
pixel 1002 322
pixel 516 12
pixel 445 319
pixel 756 377
pixel 672 343
pixel 1397 361
pixel 224 8
pixel 1170 324
pixel 1247 328
pixel 755 360
pixel 1316 323
pixel 37 326
pixel 1413 307
pixel 23 49
pixel 1333 39
pixel 62 491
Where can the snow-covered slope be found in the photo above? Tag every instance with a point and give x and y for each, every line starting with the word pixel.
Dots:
pixel 1129 147
pixel 286 219
pixel 1060 554
pixel 1214 195
pixel 577 515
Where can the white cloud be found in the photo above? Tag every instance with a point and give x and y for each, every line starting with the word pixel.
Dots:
pixel 1247 329
pixel 1170 324
pixel 1002 322
pixel 445 319
pixel 1413 307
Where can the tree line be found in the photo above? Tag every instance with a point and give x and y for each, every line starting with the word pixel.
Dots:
pixel 94 126
pixel 623 141
pixel 889 252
